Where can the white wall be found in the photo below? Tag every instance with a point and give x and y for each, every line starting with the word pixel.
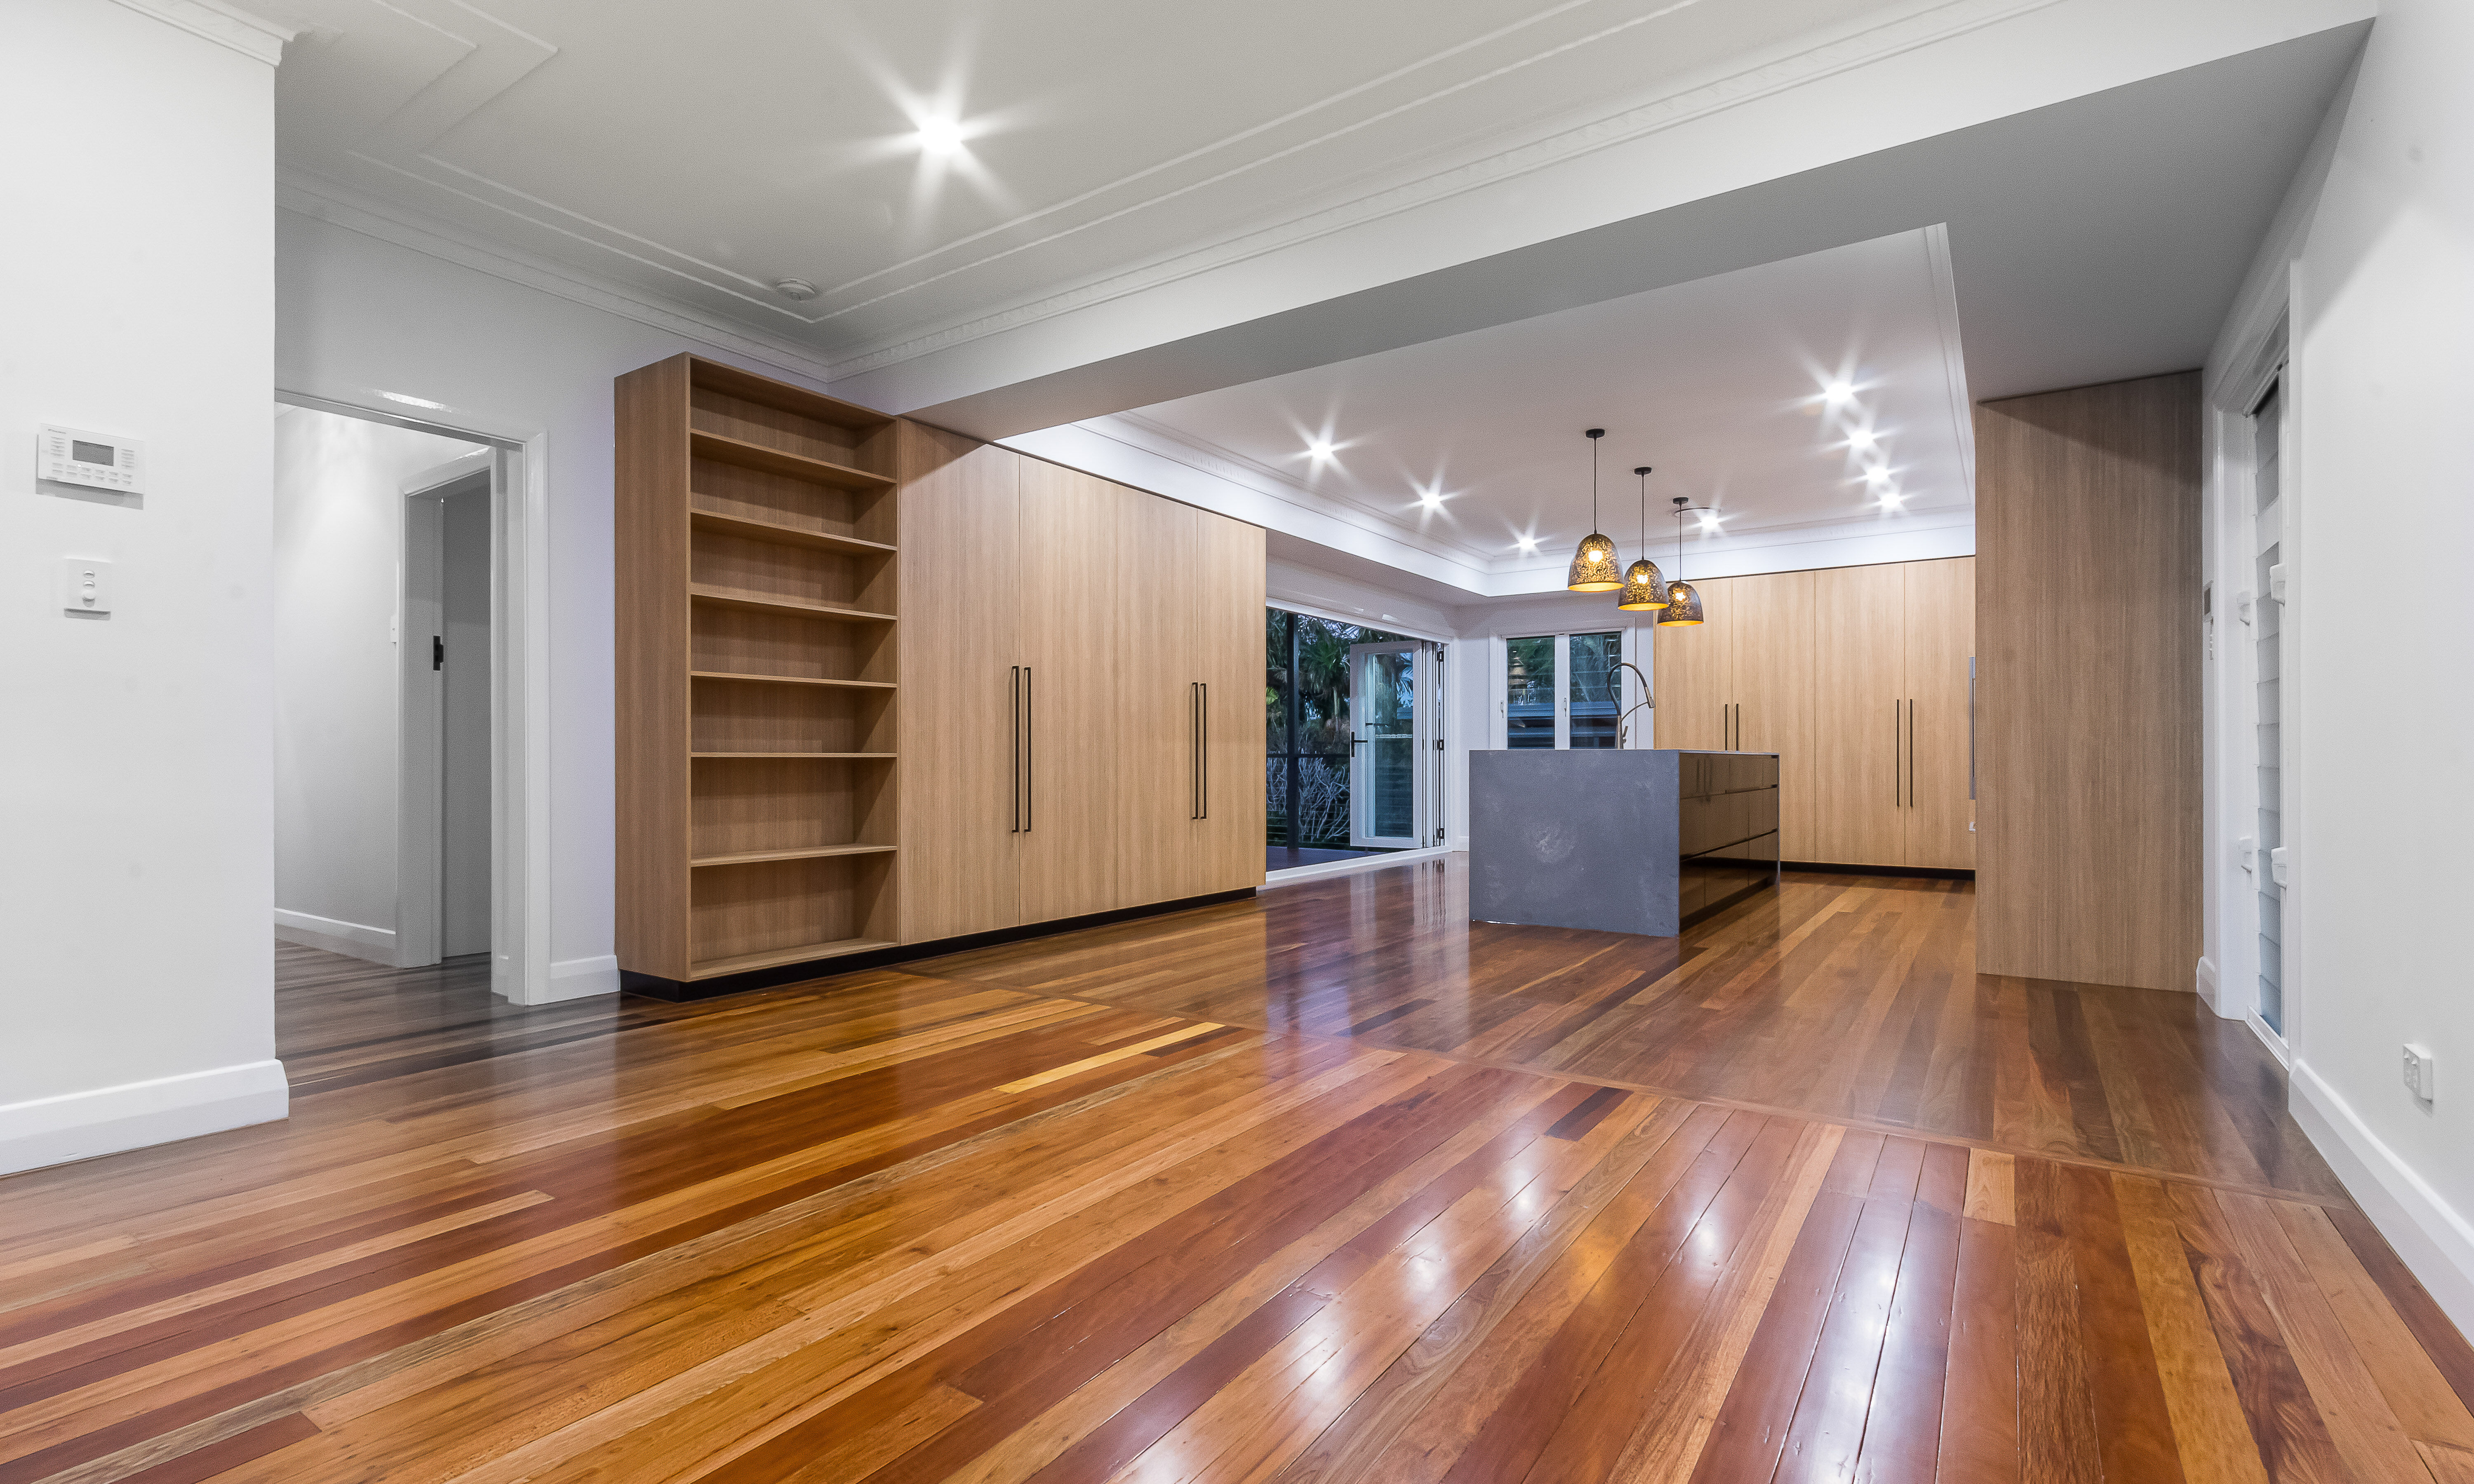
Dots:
pixel 339 516
pixel 135 891
pixel 356 317
pixel 2379 797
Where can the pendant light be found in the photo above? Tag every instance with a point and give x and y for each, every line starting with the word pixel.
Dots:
pixel 1683 600
pixel 1643 587
pixel 1593 561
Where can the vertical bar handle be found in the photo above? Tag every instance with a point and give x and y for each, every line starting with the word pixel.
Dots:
pixel 1013 760
pixel 1898 740
pixel 1194 750
pixel 1029 738
pixel 1205 687
pixel 1911 751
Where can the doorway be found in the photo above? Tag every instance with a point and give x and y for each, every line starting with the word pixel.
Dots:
pixel 403 680
pixel 1352 759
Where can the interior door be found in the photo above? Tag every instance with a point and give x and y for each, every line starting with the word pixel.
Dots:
pixel 1694 675
pixel 1770 617
pixel 1940 639
pixel 1859 712
pixel 1070 609
pixel 1388 720
pixel 958 716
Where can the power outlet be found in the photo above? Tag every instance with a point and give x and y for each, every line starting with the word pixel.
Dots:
pixel 2421 1072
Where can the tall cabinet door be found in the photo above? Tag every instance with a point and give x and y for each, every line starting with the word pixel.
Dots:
pixel 1771 616
pixel 1159 768
pixel 1070 609
pixel 1859 717
pixel 959 857
pixel 1231 643
pixel 1695 676
pixel 1939 639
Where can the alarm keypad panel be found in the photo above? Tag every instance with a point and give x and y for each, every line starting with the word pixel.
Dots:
pixel 98 461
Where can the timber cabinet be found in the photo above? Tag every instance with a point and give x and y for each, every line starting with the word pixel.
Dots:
pixel 882 685
pixel 1088 742
pixel 1858 679
pixel 756 674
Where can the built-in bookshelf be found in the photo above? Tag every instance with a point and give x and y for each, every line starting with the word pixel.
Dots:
pixel 757 609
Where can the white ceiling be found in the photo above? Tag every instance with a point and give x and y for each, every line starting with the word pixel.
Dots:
pixel 706 153
pixel 1475 440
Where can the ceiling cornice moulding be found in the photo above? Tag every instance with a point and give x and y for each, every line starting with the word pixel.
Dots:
pixel 229 25
pixel 1920 28
pixel 321 200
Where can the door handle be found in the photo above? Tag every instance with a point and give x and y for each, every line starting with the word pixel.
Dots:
pixel 1898 740
pixel 1206 747
pixel 1013 760
pixel 1911 753
pixel 1030 739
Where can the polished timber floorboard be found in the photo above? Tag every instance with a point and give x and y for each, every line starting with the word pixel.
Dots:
pixel 1330 1185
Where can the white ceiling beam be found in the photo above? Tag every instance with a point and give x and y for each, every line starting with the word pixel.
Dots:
pixel 1864 137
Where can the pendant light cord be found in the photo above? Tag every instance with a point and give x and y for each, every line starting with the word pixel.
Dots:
pixel 1595 434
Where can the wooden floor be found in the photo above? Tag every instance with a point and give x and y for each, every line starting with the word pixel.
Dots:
pixel 1330 1185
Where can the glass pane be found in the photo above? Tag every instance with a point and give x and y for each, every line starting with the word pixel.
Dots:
pixel 1529 692
pixel 1275 681
pixel 1597 687
pixel 1323 723
pixel 1322 801
pixel 1391 700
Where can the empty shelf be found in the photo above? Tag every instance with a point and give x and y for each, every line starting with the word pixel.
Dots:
pixel 787 680
pixel 860 755
pixel 773 461
pixel 765 603
pixel 808 852
pixel 777 530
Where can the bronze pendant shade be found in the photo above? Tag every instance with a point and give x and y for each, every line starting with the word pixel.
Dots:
pixel 1642 585
pixel 1683 607
pixel 1593 561
pixel 1682 599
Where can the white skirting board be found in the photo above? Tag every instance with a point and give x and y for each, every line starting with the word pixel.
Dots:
pixel 579 978
pixel 352 939
pixel 106 1120
pixel 2433 1239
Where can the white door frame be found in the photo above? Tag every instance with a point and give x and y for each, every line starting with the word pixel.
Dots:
pixel 520 901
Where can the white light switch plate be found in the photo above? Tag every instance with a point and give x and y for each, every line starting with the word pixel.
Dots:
pixel 85 585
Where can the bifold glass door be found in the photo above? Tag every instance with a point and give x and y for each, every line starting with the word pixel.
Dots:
pixel 1394 733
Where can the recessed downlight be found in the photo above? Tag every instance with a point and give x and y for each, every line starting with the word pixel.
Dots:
pixel 799 289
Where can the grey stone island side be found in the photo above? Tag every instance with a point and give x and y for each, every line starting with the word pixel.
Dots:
pixel 1624 841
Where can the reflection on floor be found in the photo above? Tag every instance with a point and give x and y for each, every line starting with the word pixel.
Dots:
pixel 1328 1185
pixel 1286 857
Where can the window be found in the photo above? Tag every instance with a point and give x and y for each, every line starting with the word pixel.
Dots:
pixel 1568 690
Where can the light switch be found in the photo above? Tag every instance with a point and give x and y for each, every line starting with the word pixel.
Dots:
pixel 85 585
